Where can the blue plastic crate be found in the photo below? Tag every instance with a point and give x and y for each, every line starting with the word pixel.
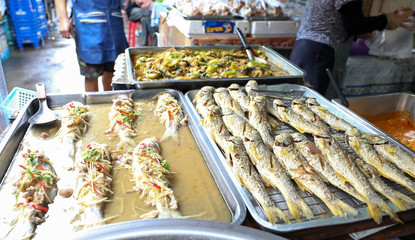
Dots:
pixel 16 100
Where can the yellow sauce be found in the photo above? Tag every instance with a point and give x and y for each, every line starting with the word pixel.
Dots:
pixel 398 125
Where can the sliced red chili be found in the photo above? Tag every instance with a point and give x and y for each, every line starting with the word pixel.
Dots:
pixel 89 146
pixel 148 145
pixel 129 114
pixel 33 206
pixel 154 160
pixel 97 164
pixel 33 176
pixel 128 99
pixel 71 105
pixel 123 124
pixel 96 189
pixel 170 118
pixel 154 185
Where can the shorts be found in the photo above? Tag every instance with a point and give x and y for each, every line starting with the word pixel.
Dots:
pixel 94 70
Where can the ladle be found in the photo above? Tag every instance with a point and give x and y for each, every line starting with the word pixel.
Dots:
pixel 249 50
pixel 44 114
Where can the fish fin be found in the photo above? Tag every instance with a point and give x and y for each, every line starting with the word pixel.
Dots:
pixel 401 198
pixel 301 185
pixel 293 209
pixel 299 207
pixel 272 212
pixel 170 134
pixel 342 179
pixel 410 174
pixel 342 209
pixel 374 210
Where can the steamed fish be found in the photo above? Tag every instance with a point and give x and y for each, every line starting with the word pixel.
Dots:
pixel 249 178
pixel 258 118
pixel 304 175
pixel 35 189
pixel 93 186
pixel 150 177
pixel 204 99
pixel 170 114
pixel 123 117
pixel 367 152
pixel 267 165
pixel 314 157
pixel 393 153
pixel 396 197
pixel 74 123
pixel 344 166
pixel 331 119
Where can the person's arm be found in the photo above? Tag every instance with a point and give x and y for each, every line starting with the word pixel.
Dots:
pixel 356 23
pixel 65 25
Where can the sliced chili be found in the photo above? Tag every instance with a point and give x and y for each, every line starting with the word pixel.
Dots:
pixel 123 124
pixel 148 145
pixel 96 189
pixel 33 176
pixel 33 206
pixel 170 117
pixel 129 114
pixel 96 164
pixel 154 185
pixel 154 160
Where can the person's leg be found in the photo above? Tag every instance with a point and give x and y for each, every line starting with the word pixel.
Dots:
pixel 107 80
pixel 314 58
pixel 136 14
pixel 91 84
pixel 145 30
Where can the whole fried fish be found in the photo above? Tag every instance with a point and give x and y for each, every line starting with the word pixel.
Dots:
pixel 226 103
pixel 304 175
pixel 299 106
pixel 396 197
pixel 344 166
pixel 258 118
pixel 287 115
pixel 249 178
pixel 204 99
pixel 331 119
pixel 239 96
pixel 251 85
pixel 393 153
pixel 170 114
pixel 215 126
pixel 269 168
pixel 314 157
pixel 367 152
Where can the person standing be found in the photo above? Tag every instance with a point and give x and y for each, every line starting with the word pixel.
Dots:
pixel 97 27
pixel 325 25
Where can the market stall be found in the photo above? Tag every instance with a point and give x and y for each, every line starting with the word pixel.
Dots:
pixel 199 141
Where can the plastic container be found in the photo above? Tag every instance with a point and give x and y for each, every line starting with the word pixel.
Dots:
pixel 16 100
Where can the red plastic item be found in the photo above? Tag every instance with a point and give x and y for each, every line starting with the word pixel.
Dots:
pixel 132 28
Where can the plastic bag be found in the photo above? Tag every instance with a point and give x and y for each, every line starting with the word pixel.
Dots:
pixel 396 43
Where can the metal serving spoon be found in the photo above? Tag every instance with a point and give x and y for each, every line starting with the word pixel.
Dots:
pixel 249 50
pixel 44 114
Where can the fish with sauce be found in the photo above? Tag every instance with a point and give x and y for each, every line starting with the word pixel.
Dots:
pixel 305 176
pixel 35 189
pixel 93 186
pixel 74 123
pixel 123 118
pixel 170 114
pixel 150 177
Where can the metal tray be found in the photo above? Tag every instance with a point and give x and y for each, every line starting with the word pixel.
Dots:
pixel 322 213
pixel 296 74
pixel 268 18
pixel 208 17
pixel 367 106
pixel 15 135
pixel 180 229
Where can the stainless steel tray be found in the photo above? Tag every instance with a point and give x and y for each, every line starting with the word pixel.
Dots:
pixel 15 135
pixel 180 229
pixel 367 106
pixel 322 213
pixel 296 74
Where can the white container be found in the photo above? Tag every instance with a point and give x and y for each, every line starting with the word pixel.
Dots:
pixel 282 28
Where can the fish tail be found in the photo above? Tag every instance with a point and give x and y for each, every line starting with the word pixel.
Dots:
pixel 271 212
pixel 398 199
pixel 410 173
pixel 375 212
pixel 341 208
pixel 300 207
pixel 170 134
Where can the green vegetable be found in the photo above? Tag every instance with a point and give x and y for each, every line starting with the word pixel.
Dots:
pixel 211 69
pixel 152 75
pixel 193 74
pixel 231 72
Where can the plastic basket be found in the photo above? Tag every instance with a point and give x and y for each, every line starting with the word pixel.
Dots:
pixel 16 100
